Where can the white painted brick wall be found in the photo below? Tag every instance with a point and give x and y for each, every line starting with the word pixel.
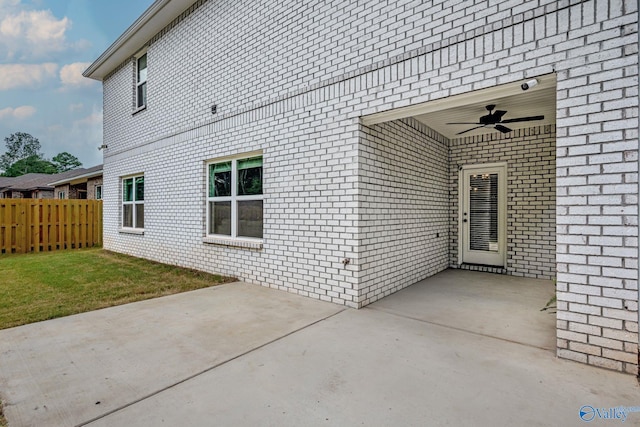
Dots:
pixel 531 183
pixel 404 201
pixel 305 241
pixel 293 78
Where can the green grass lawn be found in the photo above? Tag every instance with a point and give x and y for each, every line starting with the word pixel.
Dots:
pixel 41 286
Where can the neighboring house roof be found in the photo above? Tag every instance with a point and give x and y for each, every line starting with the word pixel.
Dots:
pixel 81 175
pixel 160 14
pixel 5 181
pixel 34 181
pixel 30 181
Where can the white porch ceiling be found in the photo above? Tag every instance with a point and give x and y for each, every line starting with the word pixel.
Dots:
pixel 537 101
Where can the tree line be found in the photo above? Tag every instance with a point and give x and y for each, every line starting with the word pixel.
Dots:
pixel 23 156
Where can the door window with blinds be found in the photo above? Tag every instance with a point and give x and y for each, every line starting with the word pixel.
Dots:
pixel 483 214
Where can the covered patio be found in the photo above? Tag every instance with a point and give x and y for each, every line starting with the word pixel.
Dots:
pixel 466 182
pixel 494 305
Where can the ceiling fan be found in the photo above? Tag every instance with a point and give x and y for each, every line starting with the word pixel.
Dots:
pixel 494 119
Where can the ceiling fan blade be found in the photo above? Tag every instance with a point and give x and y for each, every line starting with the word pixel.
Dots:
pixel 469 130
pixel 523 119
pixel 498 114
pixel 464 123
pixel 503 129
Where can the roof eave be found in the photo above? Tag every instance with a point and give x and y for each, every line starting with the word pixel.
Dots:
pixel 78 178
pixel 39 188
pixel 160 14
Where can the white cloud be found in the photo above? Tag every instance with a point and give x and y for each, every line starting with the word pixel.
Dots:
pixel 30 33
pixel 14 76
pixel 22 112
pixel 71 75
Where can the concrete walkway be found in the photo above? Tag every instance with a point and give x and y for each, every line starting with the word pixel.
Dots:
pixel 244 355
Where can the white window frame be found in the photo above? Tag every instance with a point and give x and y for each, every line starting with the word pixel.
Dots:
pixel 61 195
pixel 95 193
pixel 233 239
pixel 140 82
pixel 133 203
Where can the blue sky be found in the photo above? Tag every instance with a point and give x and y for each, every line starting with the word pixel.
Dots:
pixel 45 45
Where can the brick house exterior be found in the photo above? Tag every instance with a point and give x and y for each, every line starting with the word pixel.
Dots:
pixel 360 190
pixel 94 188
pixel 82 183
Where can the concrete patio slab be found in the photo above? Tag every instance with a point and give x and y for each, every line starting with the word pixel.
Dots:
pixel 241 354
pixel 496 305
pixel 66 371
pixel 373 368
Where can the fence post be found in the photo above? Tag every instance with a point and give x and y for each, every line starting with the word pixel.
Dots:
pixel 6 220
pixel 35 219
pixel 20 228
pixel 61 215
pixel 44 224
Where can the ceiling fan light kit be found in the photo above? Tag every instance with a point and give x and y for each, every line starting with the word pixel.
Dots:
pixel 494 120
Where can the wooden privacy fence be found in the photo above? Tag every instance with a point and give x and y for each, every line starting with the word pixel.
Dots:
pixel 34 225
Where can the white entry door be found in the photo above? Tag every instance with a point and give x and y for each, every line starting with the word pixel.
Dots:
pixel 483 214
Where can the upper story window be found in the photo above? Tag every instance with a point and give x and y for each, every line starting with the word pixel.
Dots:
pixel 98 192
pixel 133 202
pixel 234 198
pixel 141 81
